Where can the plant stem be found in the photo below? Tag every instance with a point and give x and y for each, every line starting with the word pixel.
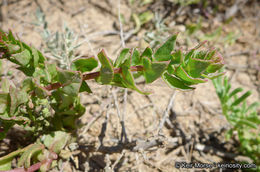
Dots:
pixel 93 75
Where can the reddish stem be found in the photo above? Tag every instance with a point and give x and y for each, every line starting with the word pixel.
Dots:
pixel 93 75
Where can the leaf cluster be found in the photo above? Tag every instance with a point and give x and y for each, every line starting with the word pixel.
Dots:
pixel 243 118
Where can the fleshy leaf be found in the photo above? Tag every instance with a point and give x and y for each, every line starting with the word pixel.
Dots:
pixel 106 71
pixel 188 79
pixel 57 137
pixel 17 97
pixel 128 80
pixel 152 70
pixel 23 57
pixel 122 57
pixel 174 82
pixel 26 157
pixel 148 52
pixel 84 87
pixel 35 57
pixel 195 67
pixel 6 161
pixel 164 52
pixel 136 60
pixel 85 64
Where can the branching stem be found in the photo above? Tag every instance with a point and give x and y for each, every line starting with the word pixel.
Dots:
pixel 93 75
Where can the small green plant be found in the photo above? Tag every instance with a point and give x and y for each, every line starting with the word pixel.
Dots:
pixel 244 119
pixel 61 46
pixel 46 104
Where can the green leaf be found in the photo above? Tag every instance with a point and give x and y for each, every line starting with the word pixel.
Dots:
pixel 72 89
pixel 241 99
pixel 245 122
pixel 122 57
pixel 71 81
pixel 214 67
pixel 40 91
pixel 128 80
pixel 136 59
pixel 85 64
pixel 51 72
pixel 55 141
pixel 213 76
pixel 235 91
pixel 26 157
pixel 6 161
pixel 117 81
pixel 106 71
pixel 152 70
pixel 181 73
pixel 84 87
pixel 195 67
pixel 3 102
pixel 23 58
pixel 148 52
pixel 60 143
pixel 164 52
pixel 35 57
pixel 12 49
pixel 17 97
pixel 66 77
pixel 174 82
pixel 145 17
pixel 5 85
pixel 253 106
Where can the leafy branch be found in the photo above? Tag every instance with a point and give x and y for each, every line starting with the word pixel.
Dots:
pixel 47 101
pixel 243 117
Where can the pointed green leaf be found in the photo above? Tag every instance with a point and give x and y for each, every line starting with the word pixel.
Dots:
pixel 242 98
pixel 106 71
pixel 17 97
pixel 235 91
pixel 245 122
pixel 181 73
pixel 122 57
pixel 35 57
pixel 71 81
pixel 174 82
pixel 128 80
pixel 148 52
pixel 136 59
pixel 214 67
pixel 23 57
pixel 152 70
pixel 195 67
pixel 117 81
pixel 164 52
pixel 177 57
pixel 85 64
pixel 84 87
pixel 51 72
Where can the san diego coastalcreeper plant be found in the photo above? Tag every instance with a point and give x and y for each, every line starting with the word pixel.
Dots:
pixel 47 103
